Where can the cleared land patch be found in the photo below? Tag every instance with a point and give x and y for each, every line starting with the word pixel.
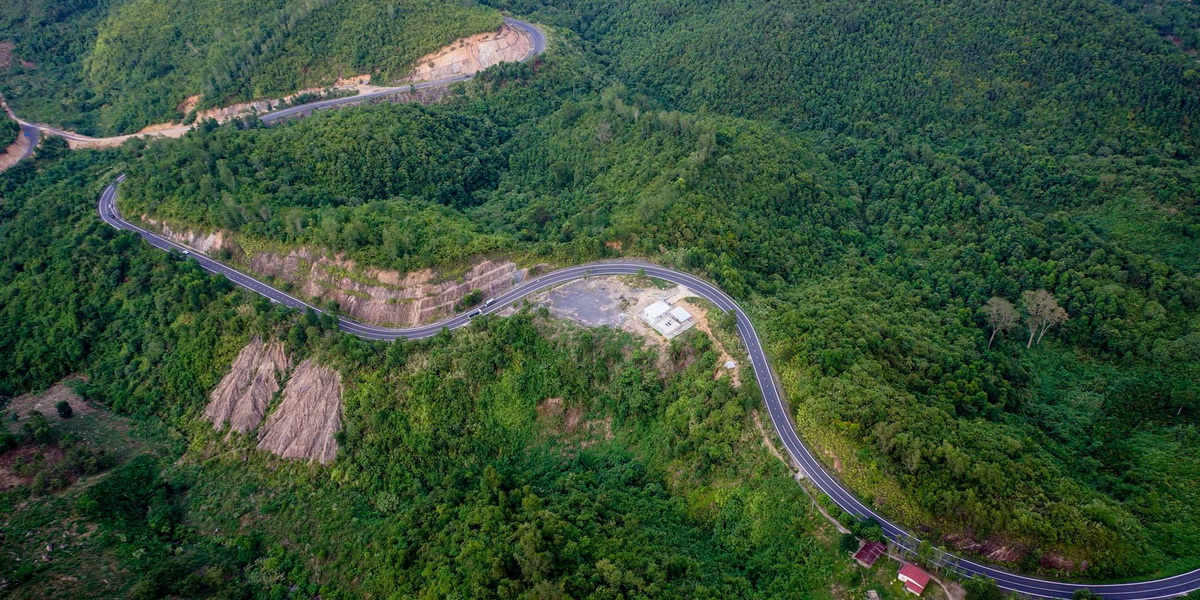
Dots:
pixel 617 301
pixel 470 55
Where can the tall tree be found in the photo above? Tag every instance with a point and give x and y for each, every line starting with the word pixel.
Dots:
pixel 1041 313
pixel 1001 315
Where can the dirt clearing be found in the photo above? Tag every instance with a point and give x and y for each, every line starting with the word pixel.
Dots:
pixel 45 402
pixel 242 397
pixel 15 151
pixel 617 302
pixel 473 54
pixel 310 414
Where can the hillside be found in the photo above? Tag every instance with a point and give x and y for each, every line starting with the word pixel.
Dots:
pixel 9 130
pixel 448 458
pixel 868 249
pixel 865 179
pixel 114 67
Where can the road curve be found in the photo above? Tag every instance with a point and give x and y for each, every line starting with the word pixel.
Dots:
pixel 31 134
pixel 772 397
pixel 535 34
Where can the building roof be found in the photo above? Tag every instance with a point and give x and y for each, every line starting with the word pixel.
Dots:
pixel 914 577
pixel 869 553
pixel 680 314
pixel 656 311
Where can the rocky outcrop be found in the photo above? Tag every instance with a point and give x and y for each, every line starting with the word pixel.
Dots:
pixel 242 397
pixel 373 295
pixel 473 54
pixel 383 296
pixel 310 414
pixel 196 240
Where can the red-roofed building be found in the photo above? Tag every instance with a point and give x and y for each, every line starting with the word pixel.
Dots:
pixel 914 578
pixel 869 553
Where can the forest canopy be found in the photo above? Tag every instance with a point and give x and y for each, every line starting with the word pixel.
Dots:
pixel 866 179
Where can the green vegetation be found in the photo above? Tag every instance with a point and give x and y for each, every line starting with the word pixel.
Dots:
pixel 522 457
pixel 115 66
pixel 1178 22
pixel 866 235
pixel 872 181
pixel 9 130
pixel 469 300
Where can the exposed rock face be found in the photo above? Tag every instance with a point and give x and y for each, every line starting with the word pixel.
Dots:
pixel 242 397
pixel 473 54
pixel 310 413
pixel 196 240
pixel 381 296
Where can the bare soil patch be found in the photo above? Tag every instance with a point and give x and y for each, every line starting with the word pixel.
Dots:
pixel 9 461
pixel 310 414
pixel 45 402
pixel 569 424
pixel 242 397
pixel 14 152
pixel 470 55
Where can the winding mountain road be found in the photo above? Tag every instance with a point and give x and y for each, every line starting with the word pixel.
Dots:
pixel 768 385
pixel 535 35
pixel 537 48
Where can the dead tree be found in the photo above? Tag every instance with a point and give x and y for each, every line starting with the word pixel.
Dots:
pixel 1041 313
pixel 1001 316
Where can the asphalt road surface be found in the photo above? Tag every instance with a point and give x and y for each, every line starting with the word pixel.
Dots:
pixel 31 134
pixel 535 34
pixel 772 396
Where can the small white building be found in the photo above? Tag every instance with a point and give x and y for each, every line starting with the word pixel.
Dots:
pixel 655 312
pixel 667 320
